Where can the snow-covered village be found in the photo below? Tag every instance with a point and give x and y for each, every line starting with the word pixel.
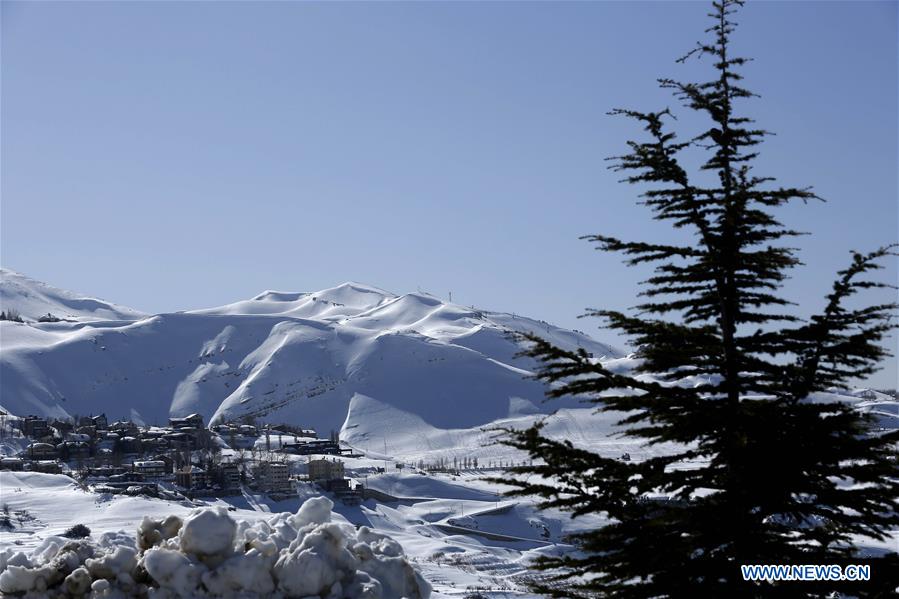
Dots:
pixel 431 415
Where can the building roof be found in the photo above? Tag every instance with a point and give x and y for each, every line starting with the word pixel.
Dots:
pixel 41 446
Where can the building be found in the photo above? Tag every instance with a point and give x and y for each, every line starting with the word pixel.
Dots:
pixel 126 476
pixel 105 471
pixel 41 451
pixel 342 490
pixel 227 476
pixel 73 450
pixel 62 427
pixel 90 430
pixel 12 464
pixel 169 462
pixel 46 466
pixel 125 428
pixel 192 421
pixel 191 478
pixel 36 428
pixel 325 469
pixel 128 444
pixel 151 444
pixel 150 468
pixel 273 477
pixel 179 440
pixel 314 447
pixel 100 422
pixel 77 436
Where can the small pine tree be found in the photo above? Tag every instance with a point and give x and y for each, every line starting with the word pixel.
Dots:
pixel 11 314
pixel 784 477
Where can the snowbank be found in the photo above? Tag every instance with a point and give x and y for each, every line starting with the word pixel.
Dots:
pixel 209 554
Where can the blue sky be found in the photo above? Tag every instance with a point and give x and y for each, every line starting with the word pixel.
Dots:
pixel 181 155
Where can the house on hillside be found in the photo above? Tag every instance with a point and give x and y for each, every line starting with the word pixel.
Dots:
pixel 35 427
pixel 313 447
pixel 226 476
pixel 150 469
pixel 45 466
pixel 124 428
pixel 14 464
pixel 41 451
pixel 73 450
pixel 62 427
pixel 191 478
pixel 325 469
pixel 128 444
pixel 88 430
pixel 273 477
pixel 192 421
pixel 167 460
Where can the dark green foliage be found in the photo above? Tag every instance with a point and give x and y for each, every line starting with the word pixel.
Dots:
pixel 12 315
pixel 79 531
pixel 776 465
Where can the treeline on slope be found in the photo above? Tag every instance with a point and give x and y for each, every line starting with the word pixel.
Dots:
pixel 13 315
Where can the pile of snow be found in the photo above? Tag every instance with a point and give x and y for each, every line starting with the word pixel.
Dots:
pixel 209 554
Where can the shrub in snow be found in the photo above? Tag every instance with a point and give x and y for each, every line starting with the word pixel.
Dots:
pixel 79 531
pixel 208 554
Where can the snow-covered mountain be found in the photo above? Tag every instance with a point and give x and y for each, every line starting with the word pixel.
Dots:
pixel 405 375
pixel 33 299
pixel 323 359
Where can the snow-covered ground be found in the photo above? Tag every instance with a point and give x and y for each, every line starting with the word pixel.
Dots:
pixel 456 531
pixel 404 379
pixel 200 552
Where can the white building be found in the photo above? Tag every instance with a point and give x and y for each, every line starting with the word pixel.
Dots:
pixel 191 477
pixel 324 469
pixel 273 477
pixel 150 468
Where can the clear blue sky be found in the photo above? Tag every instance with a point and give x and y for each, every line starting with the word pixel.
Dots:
pixel 175 155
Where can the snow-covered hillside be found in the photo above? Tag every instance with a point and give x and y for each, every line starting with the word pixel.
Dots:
pixel 299 358
pixel 407 379
pixel 33 299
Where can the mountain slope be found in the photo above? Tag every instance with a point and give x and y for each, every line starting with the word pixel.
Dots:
pixel 281 357
pixel 33 299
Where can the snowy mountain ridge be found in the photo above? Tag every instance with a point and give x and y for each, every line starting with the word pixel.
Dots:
pixel 406 375
pixel 299 358
pixel 33 299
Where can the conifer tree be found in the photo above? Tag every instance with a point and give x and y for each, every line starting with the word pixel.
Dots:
pixel 788 474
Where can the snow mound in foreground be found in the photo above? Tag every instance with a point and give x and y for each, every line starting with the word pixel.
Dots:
pixel 209 554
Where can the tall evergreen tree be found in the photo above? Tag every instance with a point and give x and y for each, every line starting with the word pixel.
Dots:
pixel 788 474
